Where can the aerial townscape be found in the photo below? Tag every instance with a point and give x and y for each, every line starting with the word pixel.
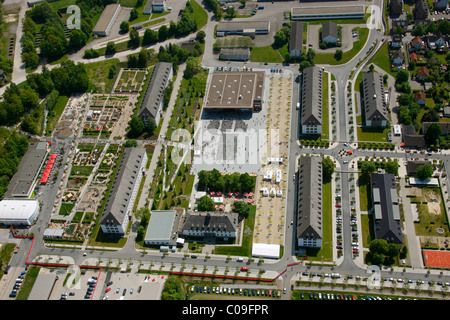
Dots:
pixel 244 150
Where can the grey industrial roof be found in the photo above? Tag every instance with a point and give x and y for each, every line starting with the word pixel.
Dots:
pixel 234 90
pixel 234 53
pixel 374 103
pixel 160 226
pixel 155 90
pixel 296 38
pixel 352 9
pixel 387 215
pixel 309 198
pixel 27 171
pixel 311 96
pixel 43 286
pixel 329 28
pixel 120 194
pixel 242 25
pixel 210 221
pixel 106 17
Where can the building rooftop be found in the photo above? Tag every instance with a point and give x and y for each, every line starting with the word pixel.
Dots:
pixel 105 18
pixel 155 90
pixel 311 112
pixel 296 38
pixel 28 170
pixel 122 187
pixel 234 90
pixel 385 207
pixel 210 221
pixel 242 25
pixel 329 28
pixel 163 226
pixel 309 198
pixel 375 106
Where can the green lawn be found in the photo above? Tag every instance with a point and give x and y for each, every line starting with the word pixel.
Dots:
pixel 55 114
pixel 247 241
pixel 98 74
pixel 328 58
pixel 373 135
pixel 383 60
pixel 265 54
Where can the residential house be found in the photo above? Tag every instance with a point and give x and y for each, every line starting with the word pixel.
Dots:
pixel 413 165
pixel 420 98
pixel 446 112
pixel 440 5
pixel 374 100
pixel 397 58
pixel 329 32
pixel 296 40
pixel 311 101
pixel 417 44
pixel 309 202
pixel 420 10
pixel 445 126
pixel 396 42
pixel 385 206
pixel 437 42
pixel 411 139
pixel 396 7
pixel 422 73
pixel 413 57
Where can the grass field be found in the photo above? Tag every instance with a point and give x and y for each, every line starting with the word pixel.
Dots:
pixel 55 114
pixel 265 54
pixel 383 60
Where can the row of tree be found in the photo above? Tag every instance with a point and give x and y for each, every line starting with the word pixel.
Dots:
pixel 384 253
pixel 66 79
pixel 235 182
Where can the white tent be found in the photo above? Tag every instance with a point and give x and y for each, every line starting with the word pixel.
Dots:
pixel 266 250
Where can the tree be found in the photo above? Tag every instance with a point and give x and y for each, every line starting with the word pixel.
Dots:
pixel 430 116
pixel 110 48
pixel 338 54
pixel 247 183
pixel 431 28
pixel 142 58
pixel 402 76
pixel 131 143
pixel 150 126
pixel 150 37
pixel 193 66
pixel 163 33
pixel 124 27
pixel 391 167
pixel 444 26
pixel 424 171
pixel 230 12
pixel 419 30
pixel 31 60
pixel 242 208
pixel 205 203
pixel 135 40
pixel 279 39
pixel 200 36
pixel 133 15
pixel 328 168
pixel 172 290
pixel 77 39
pixel 137 127
pixel 433 132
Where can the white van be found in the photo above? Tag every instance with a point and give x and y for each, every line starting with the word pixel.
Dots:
pixel 240 259
pixel 298 105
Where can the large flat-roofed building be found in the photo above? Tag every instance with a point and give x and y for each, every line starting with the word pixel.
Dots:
pixel 246 28
pixel 115 217
pixel 296 40
pixel 163 228
pixel 309 202
pixel 311 101
pixel 374 100
pixel 152 103
pixel 106 20
pixel 322 12
pixel 385 208
pixel 235 90
pixel 24 180
pixel 18 212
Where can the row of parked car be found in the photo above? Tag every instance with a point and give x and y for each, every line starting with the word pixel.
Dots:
pixel 237 291
pixel 17 284
pixel 92 282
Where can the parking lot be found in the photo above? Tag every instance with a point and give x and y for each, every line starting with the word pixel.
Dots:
pixel 109 285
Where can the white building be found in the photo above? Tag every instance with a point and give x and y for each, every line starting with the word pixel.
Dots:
pixel 19 212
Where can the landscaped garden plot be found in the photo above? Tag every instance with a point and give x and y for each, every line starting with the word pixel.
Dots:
pixel 131 80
